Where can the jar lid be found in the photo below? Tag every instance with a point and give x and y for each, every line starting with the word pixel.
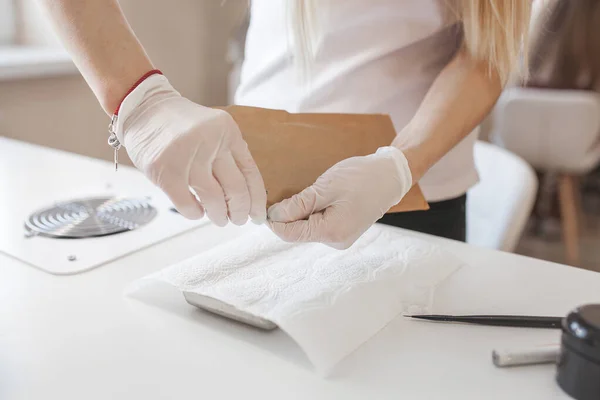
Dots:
pixel 581 330
pixel 578 369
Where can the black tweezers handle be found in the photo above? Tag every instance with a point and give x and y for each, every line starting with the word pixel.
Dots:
pixel 519 321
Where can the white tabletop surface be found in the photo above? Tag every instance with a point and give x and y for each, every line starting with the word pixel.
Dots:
pixel 79 337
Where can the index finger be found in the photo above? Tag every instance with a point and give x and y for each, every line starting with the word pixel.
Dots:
pixel 254 181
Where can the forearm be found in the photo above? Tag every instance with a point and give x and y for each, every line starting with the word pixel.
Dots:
pixel 102 45
pixel 459 99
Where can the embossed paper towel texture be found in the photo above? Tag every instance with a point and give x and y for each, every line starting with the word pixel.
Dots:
pixel 329 301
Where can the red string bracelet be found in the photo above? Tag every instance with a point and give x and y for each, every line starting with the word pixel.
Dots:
pixel 136 84
pixel 113 141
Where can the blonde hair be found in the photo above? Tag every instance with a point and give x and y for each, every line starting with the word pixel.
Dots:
pixel 495 31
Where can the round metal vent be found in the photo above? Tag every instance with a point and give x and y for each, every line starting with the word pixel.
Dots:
pixel 91 217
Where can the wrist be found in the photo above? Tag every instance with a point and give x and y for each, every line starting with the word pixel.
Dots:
pixel 408 142
pixel 135 87
pixel 113 88
pixel 146 87
pixel 401 164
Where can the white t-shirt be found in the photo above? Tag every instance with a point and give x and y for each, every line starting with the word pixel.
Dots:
pixel 371 56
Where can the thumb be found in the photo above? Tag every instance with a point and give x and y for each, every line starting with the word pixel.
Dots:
pixel 298 207
pixel 309 230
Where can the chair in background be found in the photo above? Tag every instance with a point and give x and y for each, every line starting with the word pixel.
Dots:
pixel 499 206
pixel 554 131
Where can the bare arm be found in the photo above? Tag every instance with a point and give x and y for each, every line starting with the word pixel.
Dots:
pixel 459 99
pixel 102 45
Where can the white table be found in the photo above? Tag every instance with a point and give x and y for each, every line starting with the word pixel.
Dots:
pixel 79 337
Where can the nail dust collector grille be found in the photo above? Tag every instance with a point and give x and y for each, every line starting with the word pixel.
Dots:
pixel 91 217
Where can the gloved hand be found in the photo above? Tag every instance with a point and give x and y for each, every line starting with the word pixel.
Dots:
pixel 345 201
pixel 181 145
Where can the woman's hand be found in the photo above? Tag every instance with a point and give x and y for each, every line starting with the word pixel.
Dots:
pixel 181 145
pixel 345 201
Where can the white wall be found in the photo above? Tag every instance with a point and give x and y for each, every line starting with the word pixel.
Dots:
pixel 187 39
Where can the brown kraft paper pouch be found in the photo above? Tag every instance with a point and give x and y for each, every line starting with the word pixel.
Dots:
pixel 293 150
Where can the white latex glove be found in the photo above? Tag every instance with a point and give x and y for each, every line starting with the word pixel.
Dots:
pixel 181 145
pixel 345 201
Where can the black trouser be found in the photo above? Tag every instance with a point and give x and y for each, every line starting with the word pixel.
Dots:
pixel 445 218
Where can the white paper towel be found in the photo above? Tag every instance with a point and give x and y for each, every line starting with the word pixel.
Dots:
pixel 329 301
